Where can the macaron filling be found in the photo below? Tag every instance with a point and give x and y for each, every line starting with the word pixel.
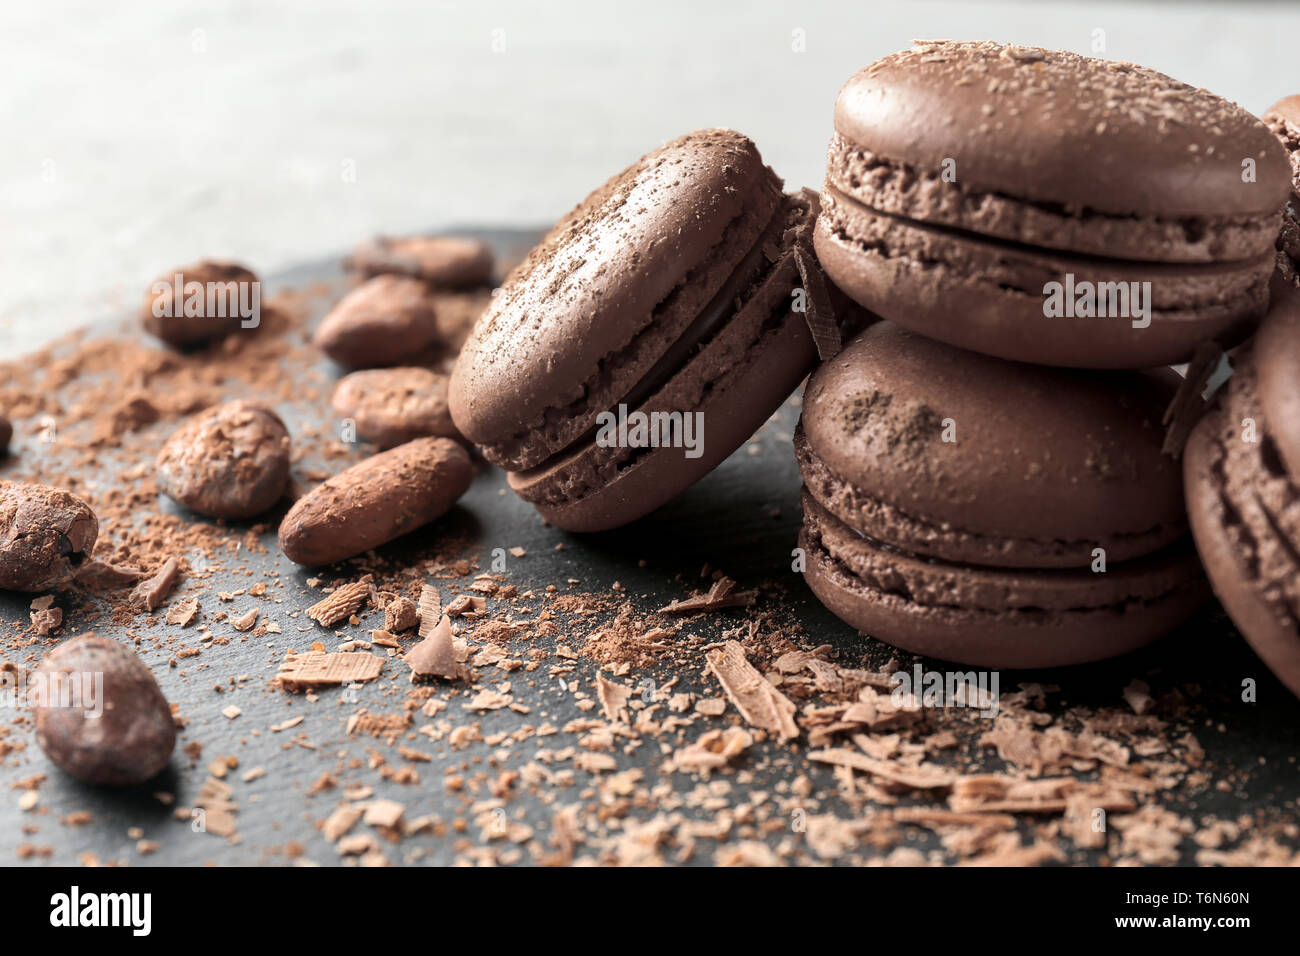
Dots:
pixel 1179 292
pixel 891 186
pixel 881 567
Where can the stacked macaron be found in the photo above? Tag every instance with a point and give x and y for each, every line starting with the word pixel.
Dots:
pixel 964 178
pixel 1283 118
pixel 1000 206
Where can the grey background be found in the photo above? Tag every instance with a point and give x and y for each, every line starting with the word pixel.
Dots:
pixel 140 136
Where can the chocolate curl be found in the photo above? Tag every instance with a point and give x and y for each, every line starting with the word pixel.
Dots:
pixel 820 314
pixel 1187 406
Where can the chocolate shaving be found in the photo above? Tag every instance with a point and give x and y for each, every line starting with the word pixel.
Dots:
pixel 245 621
pixel 613 698
pixel 102 576
pixel 722 594
pixel 1052 795
pixel 184 612
pixel 916 778
pixel 155 589
pixel 338 823
pixel 339 605
pixel 1187 406
pixel 713 750
pixel 319 669
pixel 430 610
pixel 435 656
pixel 819 313
pixel 214 799
pixel 761 704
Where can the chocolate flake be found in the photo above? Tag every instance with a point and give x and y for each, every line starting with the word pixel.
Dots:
pixel 613 698
pixel 430 610
pixel 761 704
pixel 435 656
pixel 156 588
pixel 183 613
pixel 722 594
pixel 319 669
pixel 818 313
pixel 1187 405
pixel 102 576
pixel 340 604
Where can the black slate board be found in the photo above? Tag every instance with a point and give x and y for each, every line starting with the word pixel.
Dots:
pixel 742 519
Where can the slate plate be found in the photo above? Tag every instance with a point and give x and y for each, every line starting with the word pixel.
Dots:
pixel 742 519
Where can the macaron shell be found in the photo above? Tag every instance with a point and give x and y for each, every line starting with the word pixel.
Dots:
pixel 1055 127
pixel 592 309
pixel 1013 639
pixel 1283 120
pixel 1039 453
pixel 988 296
pixel 590 491
pixel 927 581
pixel 950 542
pixel 1276 358
pixel 1272 633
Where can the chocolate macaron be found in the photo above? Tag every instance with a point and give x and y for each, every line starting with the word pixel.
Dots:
pixel 1242 472
pixel 1283 118
pixel 1050 207
pixel 991 512
pixel 648 336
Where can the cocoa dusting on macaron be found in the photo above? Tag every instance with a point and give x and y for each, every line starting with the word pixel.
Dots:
pixel 384 321
pixel 991 512
pixel 1049 207
pixel 390 406
pixel 1242 472
pixel 670 291
pixel 231 461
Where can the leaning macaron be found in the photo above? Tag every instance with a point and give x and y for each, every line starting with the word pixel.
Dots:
pixel 990 512
pixel 1283 118
pixel 1049 207
pixel 647 337
pixel 1242 472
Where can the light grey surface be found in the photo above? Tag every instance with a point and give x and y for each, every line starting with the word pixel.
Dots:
pixel 141 136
